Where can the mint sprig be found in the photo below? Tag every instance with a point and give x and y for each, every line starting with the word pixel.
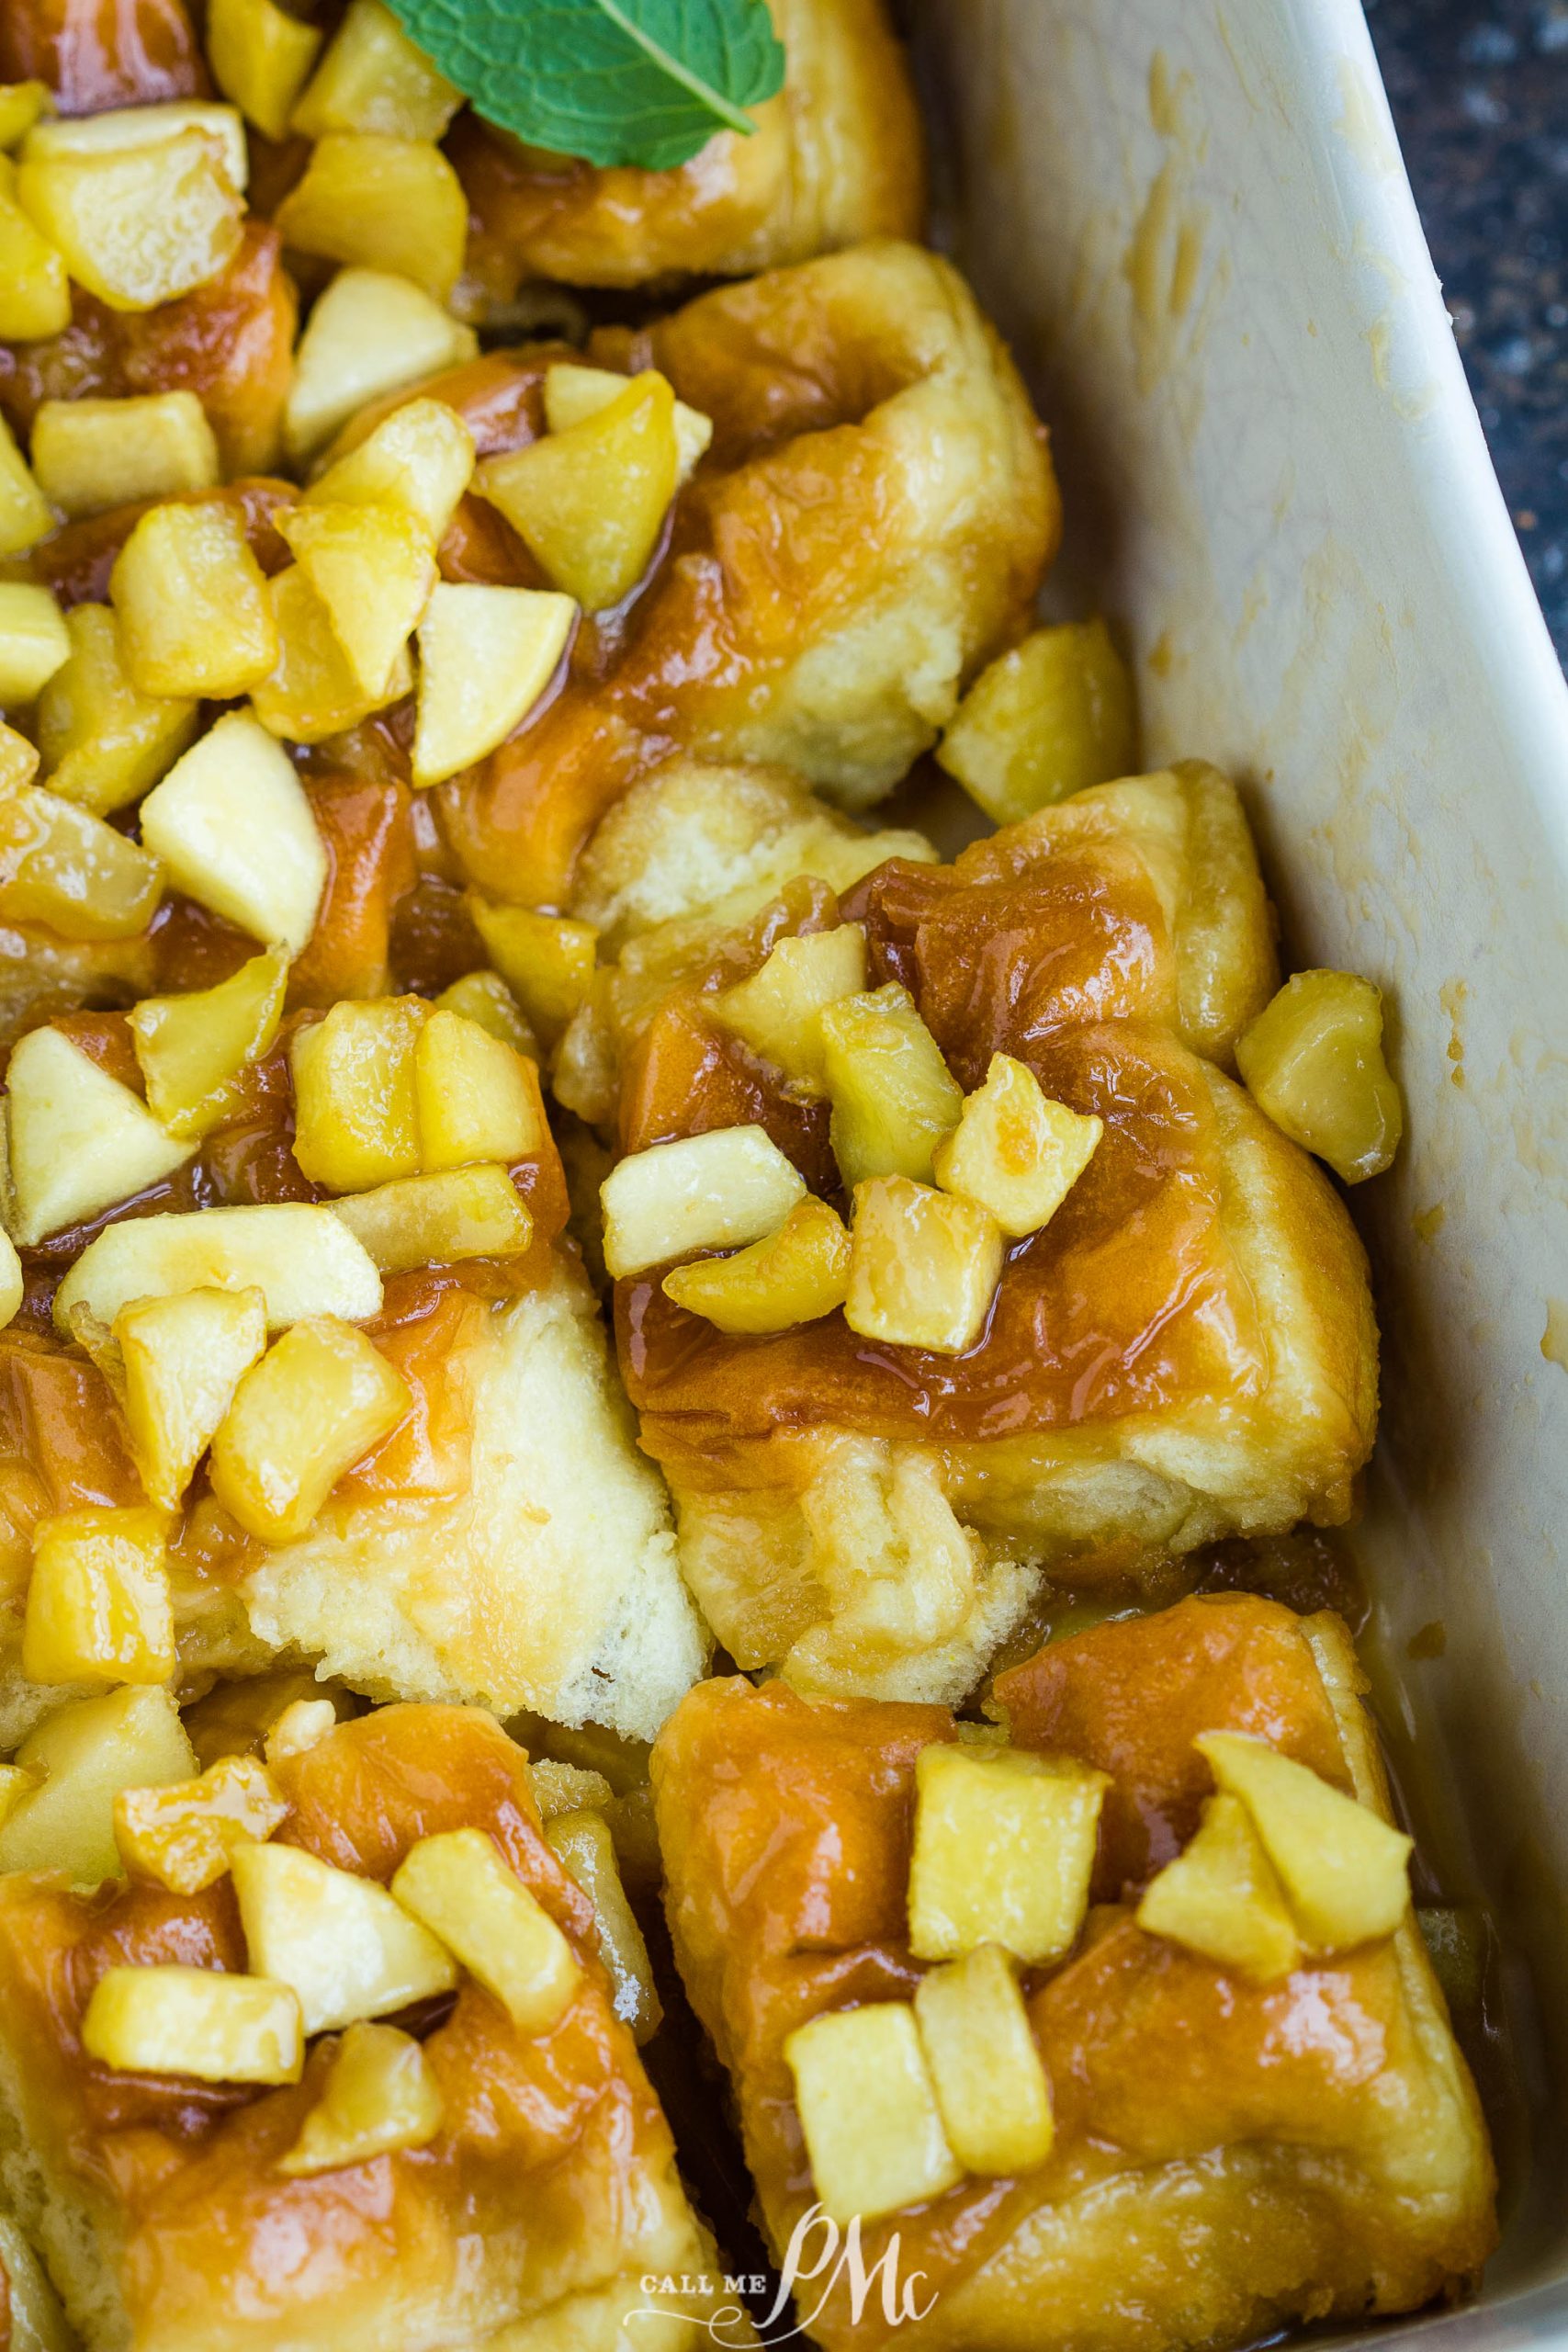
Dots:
pixel 644 81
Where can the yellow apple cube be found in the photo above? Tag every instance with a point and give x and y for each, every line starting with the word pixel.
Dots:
pixel 184 1835
pixel 118 130
pixel 457 1885
pixel 486 655
pixel 418 460
pixel 302 1726
pixel 137 226
pixel 20 764
pixel 893 1096
pixel 35 289
pixel 1346 1874
pixel 195 617
pixel 1314 1061
pixel 355 1108
pixel 373 78
pixel 381 2095
pixel 183 1358
pixel 868 2111
pixel 90 454
pixel 260 58
pixel 373 569
pixel 778 1011
pixel 547 961
pixel 205 2022
pixel 296 1253
pixel 706 1191
pixel 105 742
pixel 237 1718
pixel 25 515
pixel 64 866
pixel 319 1398
pixel 474 1097
pixel 80 1759
pixel 191 1048
pixel 79 1139
pixel 484 997
pixel 984 2067
pixel 1045 720
pixel 1221 1897
pixel 581 1843
pixel 796 1275
pixel 21 105
pixel 348 1951
pixel 369 334
pixel 573 393
pixel 923 1266
pixel 590 502
pixel 232 824
pixel 380 203
pixel 33 640
pixel 1015 1150
pixel 1004 1849
pixel 439 1220
pixel 313 691
pixel 98 1602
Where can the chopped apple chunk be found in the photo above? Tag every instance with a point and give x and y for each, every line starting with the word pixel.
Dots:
pixel 1345 1873
pixel 589 502
pixel 380 203
pixel 355 1105
pixel 796 1275
pixel 373 569
pixel 20 764
pixel 486 656
pixel 893 1096
pixel 1004 1846
pixel 573 393
pixel 238 1718
pixel 923 1266
pixel 296 1253
pixel 305 1722
pixel 120 129
pixel 260 58
pixel 184 1835
pixel 484 997
pixel 137 225
pixel 475 1097
pixel 90 454
pixel 35 289
pixel 194 614
pixel 868 2111
pixel 581 1843
pixel 105 742
pixel 233 824
pixel 205 2022
pixel 985 2067
pixel 319 1398
pixel 1314 1061
pixel 80 1140
pixel 1015 1150
pixel 381 2095
pixel 417 459
pixel 190 1049
pixel 21 105
pixel 457 1885
pixel 61 865
pixel 183 1359
pixel 440 1220
pixel 313 691
pixel 25 515
pixel 1221 1897
pixel 373 78
pixel 1045 720
pixel 80 1759
pixel 33 641
pixel 348 1951
pixel 369 334
pixel 14 1784
pixel 545 960
pixel 706 1191
pixel 778 1011
pixel 98 1601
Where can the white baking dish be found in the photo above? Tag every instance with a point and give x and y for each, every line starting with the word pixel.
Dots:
pixel 1192 221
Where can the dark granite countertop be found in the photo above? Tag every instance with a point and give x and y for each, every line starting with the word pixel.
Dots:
pixel 1479 95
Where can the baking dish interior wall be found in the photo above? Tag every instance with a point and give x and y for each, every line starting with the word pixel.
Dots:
pixel 1193 223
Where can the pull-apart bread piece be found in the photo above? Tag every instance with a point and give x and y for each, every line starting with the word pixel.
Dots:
pixel 338 2066
pixel 1094 1310
pixel 1117 2025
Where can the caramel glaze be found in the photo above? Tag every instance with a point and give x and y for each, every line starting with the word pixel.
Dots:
pixel 95 54
pixel 550 2138
pixel 786 1832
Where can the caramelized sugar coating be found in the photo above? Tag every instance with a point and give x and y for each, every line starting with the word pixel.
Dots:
pixel 1228 2156
pixel 549 2190
pixel 95 54
pixel 836 157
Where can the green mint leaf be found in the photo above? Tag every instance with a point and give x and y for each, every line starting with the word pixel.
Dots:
pixel 644 81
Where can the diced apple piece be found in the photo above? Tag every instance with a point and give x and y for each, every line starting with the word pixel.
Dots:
pixel 419 459
pixel 379 203
pixel 120 128
pixel 381 2095
pixel 20 764
pixel 984 2067
pixel 21 105
pixel 15 1784
pixel 439 1220
pixel 25 515
pixel 183 1358
pixel 296 1253
pixel 302 1726
pixel 893 1095
pixel 192 1048
pixel 12 1286
pixel 778 1011
pixel 356 1109
pixel 35 290
pixel 184 1835
pixel 793 1276
pixel 205 2022
pixel 706 1191
pixel 1314 1061
pixel 105 742
pixel 313 691
pixel 560 1788
pixel 373 569
pixel 475 1098
pixel 98 1602
pixel 868 2111
pixel 138 225
pixel 33 642
pixel 80 1140
pixel 1015 1150
pixel 367 333
pixel 590 502
pixel 260 58
pixel 457 1885
pixel 238 1718
pixel 193 613
pixel 319 1398
pixel 233 824
pixel 81 1758
pixel 1051 717
pixel 373 78
pixel 1221 1897
pixel 89 455
pixel 573 393
pixel 1345 1873
pixel 1004 1846
pixel 64 866
pixel 348 1951
pixel 545 960
pixel 923 1266
pixel 484 997
pixel 581 1843
pixel 486 656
